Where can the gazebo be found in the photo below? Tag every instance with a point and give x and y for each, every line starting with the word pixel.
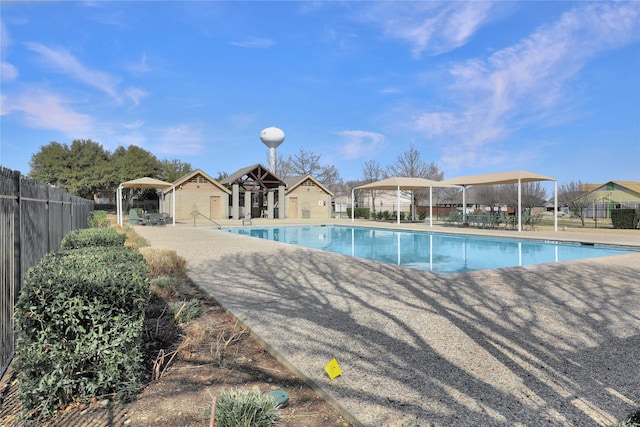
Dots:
pixel 399 183
pixel 506 178
pixel 145 182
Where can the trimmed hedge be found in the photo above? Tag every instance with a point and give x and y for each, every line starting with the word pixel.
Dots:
pixel 79 319
pixel 360 213
pixel 89 237
pixel 625 218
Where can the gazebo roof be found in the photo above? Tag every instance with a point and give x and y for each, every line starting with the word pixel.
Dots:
pixel 146 182
pixel 403 183
pixel 497 178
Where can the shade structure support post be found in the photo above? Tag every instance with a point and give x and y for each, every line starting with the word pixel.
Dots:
pixel 398 209
pixel 519 205
pixel 464 204
pixel 173 208
pixel 353 206
pixel 555 205
pixel 119 205
pixel 430 206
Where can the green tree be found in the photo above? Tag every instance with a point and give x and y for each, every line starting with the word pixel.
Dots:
pixel 81 169
pixel 49 164
pixel 172 170
pixel 132 163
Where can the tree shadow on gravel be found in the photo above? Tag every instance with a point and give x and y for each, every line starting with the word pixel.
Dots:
pixel 555 344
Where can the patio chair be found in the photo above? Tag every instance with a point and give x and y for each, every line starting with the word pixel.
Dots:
pixel 156 219
pixel 134 218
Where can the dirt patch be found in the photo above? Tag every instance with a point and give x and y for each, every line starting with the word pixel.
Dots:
pixel 188 364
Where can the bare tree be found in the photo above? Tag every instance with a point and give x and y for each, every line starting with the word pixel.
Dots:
pixel 533 194
pixel 574 196
pixel 489 195
pixel 283 167
pixel 329 176
pixel 307 163
pixel 409 164
pixel 371 172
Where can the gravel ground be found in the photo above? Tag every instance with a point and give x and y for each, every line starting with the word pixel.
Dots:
pixel 552 344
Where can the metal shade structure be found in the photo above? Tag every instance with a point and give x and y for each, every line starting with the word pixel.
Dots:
pixel 399 183
pixel 515 177
pixel 144 182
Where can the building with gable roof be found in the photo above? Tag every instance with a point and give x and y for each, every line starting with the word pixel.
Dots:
pixel 255 192
pixel 307 198
pixel 611 195
pixel 198 192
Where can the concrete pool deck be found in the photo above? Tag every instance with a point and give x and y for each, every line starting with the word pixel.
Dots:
pixel 551 344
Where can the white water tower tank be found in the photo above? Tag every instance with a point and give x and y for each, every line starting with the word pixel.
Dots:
pixel 272 137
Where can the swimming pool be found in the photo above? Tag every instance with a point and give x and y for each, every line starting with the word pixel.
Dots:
pixel 437 252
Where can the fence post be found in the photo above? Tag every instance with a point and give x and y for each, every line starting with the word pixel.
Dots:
pixel 17 232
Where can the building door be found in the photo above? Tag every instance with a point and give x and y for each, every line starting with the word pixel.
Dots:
pixel 215 207
pixel 292 209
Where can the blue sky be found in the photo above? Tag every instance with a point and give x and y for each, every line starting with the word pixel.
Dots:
pixel 478 87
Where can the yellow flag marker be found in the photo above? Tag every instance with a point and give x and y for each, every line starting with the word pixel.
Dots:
pixel 332 368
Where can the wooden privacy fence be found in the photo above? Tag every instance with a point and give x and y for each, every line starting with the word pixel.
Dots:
pixel 34 218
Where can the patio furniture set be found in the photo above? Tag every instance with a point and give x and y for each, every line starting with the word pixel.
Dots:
pixel 153 219
pixel 489 220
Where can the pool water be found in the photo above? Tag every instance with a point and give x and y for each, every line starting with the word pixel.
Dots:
pixel 437 252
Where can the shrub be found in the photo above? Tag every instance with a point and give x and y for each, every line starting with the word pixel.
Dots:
pixel 625 218
pixel 422 215
pixel 241 408
pixel 165 286
pixel 631 420
pixel 359 213
pixel 89 237
pixel 79 319
pixel 186 311
pixel 98 219
pixel 163 262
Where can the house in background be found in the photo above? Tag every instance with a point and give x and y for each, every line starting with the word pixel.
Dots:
pixel 197 192
pixel 611 195
pixel 307 198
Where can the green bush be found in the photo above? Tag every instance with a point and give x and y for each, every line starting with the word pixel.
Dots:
pixel 631 420
pixel 422 215
pixel 625 218
pixel 79 320
pixel 90 237
pixel 241 408
pixel 360 213
pixel 98 219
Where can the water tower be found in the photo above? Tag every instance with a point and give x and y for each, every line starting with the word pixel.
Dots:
pixel 272 137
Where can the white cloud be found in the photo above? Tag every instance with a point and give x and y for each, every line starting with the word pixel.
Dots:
pixel 429 26
pixel 529 81
pixel 139 67
pixel 44 110
pixel 359 143
pixel 66 63
pixel 254 43
pixel 183 140
pixel 135 94
pixel 8 72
